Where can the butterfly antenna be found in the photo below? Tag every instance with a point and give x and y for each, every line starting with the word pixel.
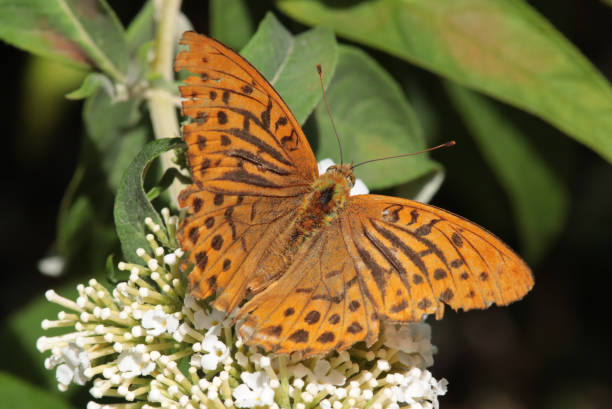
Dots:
pixel 329 111
pixel 444 145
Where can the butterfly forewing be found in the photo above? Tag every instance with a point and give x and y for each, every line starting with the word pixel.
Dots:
pixel 242 137
pixel 418 257
pixel 250 164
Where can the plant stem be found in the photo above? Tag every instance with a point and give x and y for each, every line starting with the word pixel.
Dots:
pixel 161 104
pixel 283 397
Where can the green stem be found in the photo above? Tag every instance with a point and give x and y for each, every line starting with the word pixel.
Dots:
pixel 161 104
pixel 283 396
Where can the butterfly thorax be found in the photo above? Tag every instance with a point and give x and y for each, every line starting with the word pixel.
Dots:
pixel 324 203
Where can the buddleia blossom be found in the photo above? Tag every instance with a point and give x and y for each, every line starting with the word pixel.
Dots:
pixel 145 343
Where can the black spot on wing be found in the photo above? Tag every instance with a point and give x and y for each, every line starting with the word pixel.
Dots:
pixel 354 328
pixel 225 140
pixel 201 259
pixel 312 317
pixel 457 240
pixel 282 121
pixel 197 204
pixel 299 336
pixel 326 337
pixel 265 115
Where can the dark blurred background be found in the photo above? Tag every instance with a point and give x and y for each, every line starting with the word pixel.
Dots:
pixel 551 350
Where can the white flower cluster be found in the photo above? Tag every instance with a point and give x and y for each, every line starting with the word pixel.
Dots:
pixel 149 344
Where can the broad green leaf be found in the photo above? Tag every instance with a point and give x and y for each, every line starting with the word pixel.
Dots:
pixel 231 22
pixel 503 48
pixel 90 85
pixel 115 133
pixel 84 228
pixel 142 28
pixel 289 63
pixel 20 332
pixel 19 394
pixel 140 39
pixel 42 107
pixel 374 120
pixel 132 205
pixel 113 274
pixel 538 197
pixel 77 218
pixel 82 33
pixel 168 178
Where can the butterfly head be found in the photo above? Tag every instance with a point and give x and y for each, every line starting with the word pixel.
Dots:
pixel 345 171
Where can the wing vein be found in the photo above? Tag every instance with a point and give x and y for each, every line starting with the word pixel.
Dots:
pixel 394 262
pixel 410 253
pixel 365 294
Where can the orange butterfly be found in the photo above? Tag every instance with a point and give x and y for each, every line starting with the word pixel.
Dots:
pixel 320 268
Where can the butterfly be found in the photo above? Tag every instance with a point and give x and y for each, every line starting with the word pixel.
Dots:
pixel 319 269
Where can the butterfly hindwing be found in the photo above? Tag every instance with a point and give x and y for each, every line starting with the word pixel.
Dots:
pixel 319 304
pixel 226 236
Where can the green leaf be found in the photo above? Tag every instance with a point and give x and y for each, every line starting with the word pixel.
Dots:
pixel 169 177
pixel 42 99
pixel 115 133
pixel 374 120
pixel 132 205
pixel 90 85
pixel 81 33
pixel 85 233
pixel 142 28
pixel 289 63
pixel 538 197
pixel 113 274
pixel 76 219
pixel 502 48
pixel 20 332
pixel 230 22
pixel 18 394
